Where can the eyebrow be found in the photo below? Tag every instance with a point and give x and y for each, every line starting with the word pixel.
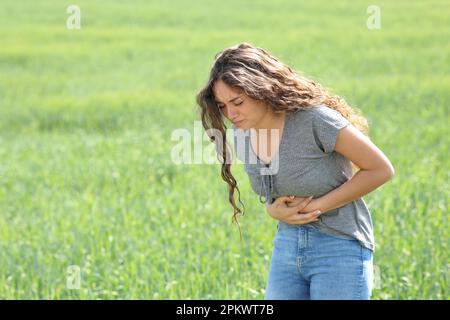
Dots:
pixel 231 99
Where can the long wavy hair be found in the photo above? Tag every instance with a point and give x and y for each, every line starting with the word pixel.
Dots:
pixel 262 77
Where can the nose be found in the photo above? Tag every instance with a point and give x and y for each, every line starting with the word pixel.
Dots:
pixel 231 114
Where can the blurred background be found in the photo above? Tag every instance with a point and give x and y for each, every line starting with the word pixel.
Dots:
pixel 92 205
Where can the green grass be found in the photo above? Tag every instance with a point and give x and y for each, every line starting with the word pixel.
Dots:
pixel 86 176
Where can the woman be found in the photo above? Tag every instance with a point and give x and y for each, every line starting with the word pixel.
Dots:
pixel 303 142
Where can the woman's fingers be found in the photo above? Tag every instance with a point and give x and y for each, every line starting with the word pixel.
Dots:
pixel 292 200
pixel 303 218
pixel 292 215
pixel 282 200
pixel 300 206
pixel 298 200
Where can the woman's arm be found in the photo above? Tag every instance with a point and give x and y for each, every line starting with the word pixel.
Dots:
pixel 375 169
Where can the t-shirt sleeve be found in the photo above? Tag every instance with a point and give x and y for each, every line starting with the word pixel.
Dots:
pixel 326 125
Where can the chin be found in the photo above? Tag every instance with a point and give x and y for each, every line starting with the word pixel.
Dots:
pixel 242 125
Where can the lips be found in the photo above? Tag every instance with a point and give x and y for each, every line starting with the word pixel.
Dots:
pixel 237 122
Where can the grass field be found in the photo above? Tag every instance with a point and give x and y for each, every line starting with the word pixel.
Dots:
pixel 86 176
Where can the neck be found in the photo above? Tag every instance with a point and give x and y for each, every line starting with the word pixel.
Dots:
pixel 270 120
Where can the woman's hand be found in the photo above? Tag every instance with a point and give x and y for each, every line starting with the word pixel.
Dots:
pixel 312 205
pixel 287 209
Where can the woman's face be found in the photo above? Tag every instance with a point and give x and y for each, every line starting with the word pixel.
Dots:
pixel 243 111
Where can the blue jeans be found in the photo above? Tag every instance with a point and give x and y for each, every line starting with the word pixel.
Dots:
pixel 308 264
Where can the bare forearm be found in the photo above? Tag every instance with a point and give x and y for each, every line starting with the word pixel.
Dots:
pixel 363 182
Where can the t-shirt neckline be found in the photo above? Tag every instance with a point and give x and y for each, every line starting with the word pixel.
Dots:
pixel 280 146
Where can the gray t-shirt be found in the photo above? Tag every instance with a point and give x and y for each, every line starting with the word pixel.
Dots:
pixel 306 164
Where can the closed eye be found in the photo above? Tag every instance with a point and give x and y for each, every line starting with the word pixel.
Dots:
pixel 236 104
